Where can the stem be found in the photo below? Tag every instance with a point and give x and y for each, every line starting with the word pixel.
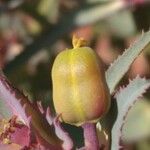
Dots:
pixel 90 136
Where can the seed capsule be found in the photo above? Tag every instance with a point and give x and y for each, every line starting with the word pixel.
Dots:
pixel 80 92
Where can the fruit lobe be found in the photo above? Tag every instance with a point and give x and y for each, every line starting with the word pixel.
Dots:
pixel 80 92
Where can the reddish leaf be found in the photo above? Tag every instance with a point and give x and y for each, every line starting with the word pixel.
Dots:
pixel 63 135
pixel 14 101
pixel 11 146
pixel 10 104
pixel 21 136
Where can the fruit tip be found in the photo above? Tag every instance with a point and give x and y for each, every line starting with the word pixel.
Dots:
pixel 78 42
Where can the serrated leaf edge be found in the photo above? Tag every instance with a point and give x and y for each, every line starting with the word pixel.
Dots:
pixel 113 74
pixel 122 111
pixel 12 101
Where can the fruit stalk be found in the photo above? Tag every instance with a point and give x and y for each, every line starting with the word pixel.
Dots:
pixel 90 136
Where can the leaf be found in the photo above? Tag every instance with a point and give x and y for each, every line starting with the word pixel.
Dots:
pixel 63 135
pixel 126 97
pixel 65 25
pixel 9 146
pixel 49 9
pixel 97 12
pixel 13 131
pixel 14 101
pixel 21 136
pixel 102 136
pixel 120 66
pixel 9 103
pixel 97 1
pixel 123 20
pixel 138 119
pixel 60 132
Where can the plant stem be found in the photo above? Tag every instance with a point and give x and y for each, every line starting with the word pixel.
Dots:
pixel 90 136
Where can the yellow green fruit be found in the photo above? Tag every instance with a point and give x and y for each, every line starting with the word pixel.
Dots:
pixel 80 92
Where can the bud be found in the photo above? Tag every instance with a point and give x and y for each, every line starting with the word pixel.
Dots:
pixel 80 92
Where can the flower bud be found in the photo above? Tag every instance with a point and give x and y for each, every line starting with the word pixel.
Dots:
pixel 80 92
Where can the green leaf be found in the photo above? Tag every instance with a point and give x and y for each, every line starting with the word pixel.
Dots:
pixel 125 100
pixel 97 1
pixel 98 12
pixel 120 66
pixel 85 14
pixel 137 122
pixel 49 9
pixel 122 24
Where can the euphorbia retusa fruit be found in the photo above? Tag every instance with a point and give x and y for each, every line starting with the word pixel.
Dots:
pixel 80 92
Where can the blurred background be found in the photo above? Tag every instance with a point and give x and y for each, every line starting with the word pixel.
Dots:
pixel 33 32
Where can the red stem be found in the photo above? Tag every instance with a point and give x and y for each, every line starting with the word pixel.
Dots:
pixel 90 136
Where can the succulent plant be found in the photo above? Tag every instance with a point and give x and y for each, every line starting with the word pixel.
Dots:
pixel 28 126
